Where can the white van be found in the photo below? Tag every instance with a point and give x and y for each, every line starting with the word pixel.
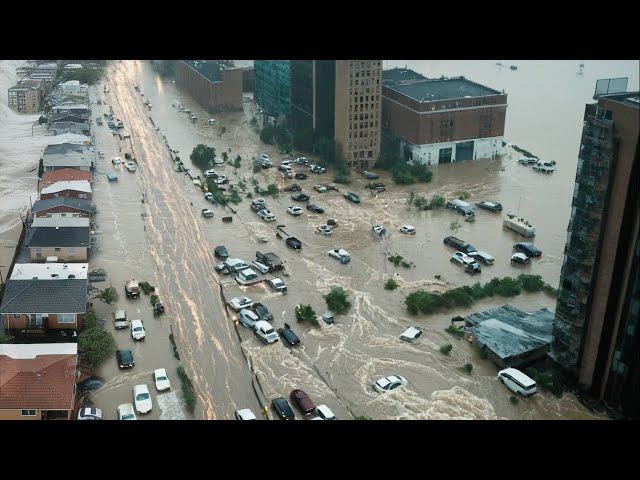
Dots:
pixel 517 381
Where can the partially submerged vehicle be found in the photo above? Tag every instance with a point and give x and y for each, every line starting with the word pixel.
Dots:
pixel 519 225
pixel 132 289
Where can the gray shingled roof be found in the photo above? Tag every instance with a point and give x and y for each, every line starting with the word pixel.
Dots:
pixel 77 203
pixel 58 237
pixel 63 148
pixel 45 296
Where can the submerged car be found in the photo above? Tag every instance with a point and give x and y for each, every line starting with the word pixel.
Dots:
pixel 206 213
pixel 124 358
pixel 324 230
pixel 265 332
pixel 278 285
pixel 91 383
pixel 340 254
pixel 262 312
pixel 294 187
pixel 528 249
pixel 294 243
pixel 126 412
pixel 352 197
pixel 221 252
pixel 238 303
pixel 519 258
pixel 408 229
pixel 142 398
pixel 300 176
pixel 266 215
pixel 469 264
pixel 460 245
pixel 491 206
pixel 90 413
pixel 248 318
pixel 283 409
pixel 261 267
pixel 389 383
pixel 314 207
pixel 288 335
pixel 411 334
pixel 244 414
pixel 300 197
pixel 247 277
pixel 137 330
pixel 161 380
pixel 325 413
pixel 302 401
pixel 295 210
pixel 483 257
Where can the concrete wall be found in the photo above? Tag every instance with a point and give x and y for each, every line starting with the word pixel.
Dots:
pixel 429 154
pixel 67 193
pixel 16 415
pixel 81 254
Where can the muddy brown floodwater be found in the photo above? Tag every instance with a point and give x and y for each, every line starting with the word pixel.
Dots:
pixel 167 242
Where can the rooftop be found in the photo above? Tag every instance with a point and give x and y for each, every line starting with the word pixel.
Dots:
pixel 73 66
pixel 398 75
pixel 77 203
pixel 62 148
pixel 70 83
pixel 443 89
pixel 211 69
pixel 72 106
pixel 66 174
pixel 38 376
pixel 70 138
pixel 60 222
pixel 67 295
pixel 58 237
pixel 69 160
pixel 78 185
pixel 46 271
pixel 508 331
pixel 630 99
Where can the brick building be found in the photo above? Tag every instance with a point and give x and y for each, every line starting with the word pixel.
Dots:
pixel 212 83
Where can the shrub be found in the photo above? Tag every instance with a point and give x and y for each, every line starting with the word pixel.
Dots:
pixel 272 190
pixel 90 319
pixel 455 330
pixel 468 367
pixel 306 313
pixel 154 299
pixel 508 287
pixel 421 172
pixel 97 345
pixel 402 176
pixel 550 290
pixel 461 195
pixel 421 202
pixel 234 197
pixel 513 399
pixel 531 283
pixel 543 378
pixel 146 287
pixel 109 295
pixel 437 201
pixel 187 389
pixel 127 156
pixel 446 348
pixel 337 300
pixel 342 178
pixel 249 195
pixel 173 345
pixel 6 338
pixel 390 284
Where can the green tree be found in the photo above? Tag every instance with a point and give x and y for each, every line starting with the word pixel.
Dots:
pixel 109 295
pixel 337 300
pixel 90 318
pixel 437 201
pixel 225 157
pixel 41 169
pixel 236 162
pixel 306 313
pixel 203 156
pixel 402 176
pixel 97 345
pixel 421 172
pixel 390 284
pixel 303 140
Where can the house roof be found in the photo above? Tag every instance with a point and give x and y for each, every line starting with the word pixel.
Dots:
pixel 68 117
pixel 77 203
pixel 67 174
pixel 48 271
pixel 58 237
pixel 60 222
pixel 30 379
pixel 67 160
pixel 70 138
pixel 63 148
pixel 443 89
pixel 68 295
pixel 77 185
pixel 72 106
pixel 68 127
pixel 70 83
pixel 508 331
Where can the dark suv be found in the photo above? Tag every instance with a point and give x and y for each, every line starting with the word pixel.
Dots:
pixel 283 409
pixel 528 249
pixel 459 245
pixel 125 358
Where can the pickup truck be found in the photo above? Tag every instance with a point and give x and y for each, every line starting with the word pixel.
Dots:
pixel 271 260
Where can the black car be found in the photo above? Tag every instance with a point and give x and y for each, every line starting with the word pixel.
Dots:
pixel 300 197
pixel 375 185
pixel 459 245
pixel 283 409
pixel 91 383
pixel 528 249
pixel 288 335
pixel 294 243
pixel 491 206
pixel 300 176
pixel 315 208
pixel 258 206
pixel 262 312
pixel 221 252
pixel 371 175
pixel 294 187
pixel 125 358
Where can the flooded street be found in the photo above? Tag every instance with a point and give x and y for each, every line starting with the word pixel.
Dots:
pixel 165 241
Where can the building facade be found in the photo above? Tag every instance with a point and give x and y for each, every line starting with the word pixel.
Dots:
pixel 25 98
pixel 214 84
pixel 595 336
pixel 340 100
pixel 273 86
pixel 443 120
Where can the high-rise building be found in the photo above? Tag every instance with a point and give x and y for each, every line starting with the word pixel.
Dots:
pixel 596 338
pixel 273 86
pixel 340 100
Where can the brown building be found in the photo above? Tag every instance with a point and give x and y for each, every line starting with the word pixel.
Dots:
pixel 596 335
pixel 68 188
pixel 38 381
pixel 212 83
pixel 443 120
pixel 61 239
pixel 340 100
pixel 68 206
pixel 65 174
pixel 25 98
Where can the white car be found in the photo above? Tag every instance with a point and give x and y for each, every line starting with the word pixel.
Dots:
pixel 324 413
pixel 261 267
pixel 408 229
pixel 116 160
pixel 142 399
pixel 264 156
pixel 278 285
pixel 211 121
pixel 389 383
pixel 340 254
pixel 411 334
pixel 265 332
pixel 320 188
pixel 247 277
pixel 295 210
pixel 206 213
pixel 324 229
pixel 208 196
pixel 238 303
pixel 210 173
pixel 244 414
pixel 218 161
pixel 90 413
pixel 248 318
pixel 266 215
pixel 137 330
pixel 221 180
pixel 131 166
pixel 126 412
pixel 161 379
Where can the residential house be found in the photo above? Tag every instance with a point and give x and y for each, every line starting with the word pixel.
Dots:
pixel 58 128
pixel 43 296
pixel 67 155
pixel 63 174
pixel 71 138
pixel 63 239
pixel 71 108
pixel 68 188
pixel 68 117
pixel 38 381
pixel 72 87
pixel 67 206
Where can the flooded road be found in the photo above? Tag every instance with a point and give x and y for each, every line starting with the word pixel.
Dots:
pixel 167 242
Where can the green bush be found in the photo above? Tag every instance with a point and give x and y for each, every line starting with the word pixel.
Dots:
pixel 455 330
pixel 550 290
pixel 461 195
pixel 421 172
pixel 437 201
pixel 390 284
pixel 97 345
pixel 146 287
pixel 446 349
pixel 468 367
pixel 337 300
pixel 187 389
pixel 234 197
pixel 543 378
pixel 306 313
pixel 402 176
pixel 249 195
pixel 154 299
pixel 342 178
pixel 6 338
pixel 90 320
pixel 203 156
pixel 109 295
pixel 421 202
pixel 508 287
pixel 531 283
pixel 513 399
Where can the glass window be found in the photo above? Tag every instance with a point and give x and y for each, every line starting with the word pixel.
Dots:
pixel 28 413
pixel 17 315
pixel 66 318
